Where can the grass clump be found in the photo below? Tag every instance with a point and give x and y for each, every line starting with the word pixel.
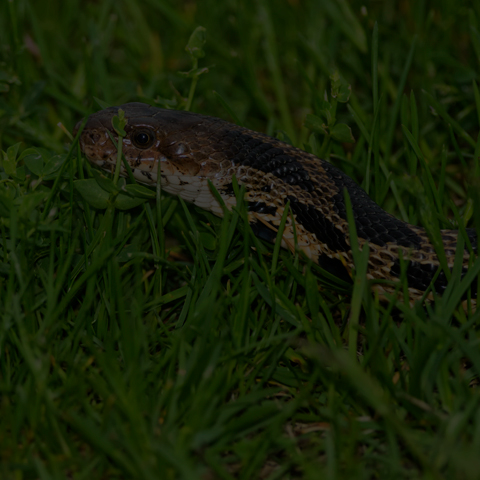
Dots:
pixel 125 354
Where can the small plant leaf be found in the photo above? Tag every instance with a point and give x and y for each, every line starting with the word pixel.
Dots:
pixel 341 90
pixel 195 72
pixel 315 124
pixel 93 194
pixel 138 191
pixel 208 240
pixel 327 112
pixel 102 103
pixel 125 202
pixel 342 133
pixel 105 182
pixel 196 42
pixel 53 165
pixel 34 163
pixel 9 160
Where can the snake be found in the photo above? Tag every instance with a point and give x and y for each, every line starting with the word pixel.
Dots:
pixel 193 152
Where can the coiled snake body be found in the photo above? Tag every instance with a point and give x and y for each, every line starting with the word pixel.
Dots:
pixel 188 149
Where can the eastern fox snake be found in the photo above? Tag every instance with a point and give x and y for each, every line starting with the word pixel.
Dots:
pixel 188 149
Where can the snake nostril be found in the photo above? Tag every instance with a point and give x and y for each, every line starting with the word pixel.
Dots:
pixel 94 137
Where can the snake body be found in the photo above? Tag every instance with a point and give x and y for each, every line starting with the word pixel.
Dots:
pixel 188 150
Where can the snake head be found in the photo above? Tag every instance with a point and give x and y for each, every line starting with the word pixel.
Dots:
pixel 157 141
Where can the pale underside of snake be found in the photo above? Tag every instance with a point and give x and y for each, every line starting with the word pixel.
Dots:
pixel 188 150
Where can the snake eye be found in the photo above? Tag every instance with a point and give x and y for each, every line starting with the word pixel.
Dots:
pixel 142 138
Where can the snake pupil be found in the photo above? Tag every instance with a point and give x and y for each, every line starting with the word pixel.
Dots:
pixel 142 139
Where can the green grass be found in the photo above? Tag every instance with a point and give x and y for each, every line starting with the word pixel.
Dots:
pixel 126 354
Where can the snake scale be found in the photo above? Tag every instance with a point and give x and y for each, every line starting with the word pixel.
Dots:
pixel 187 150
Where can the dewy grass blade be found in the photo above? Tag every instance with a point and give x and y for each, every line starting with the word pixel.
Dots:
pixel 314 300
pixel 476 154
pixel 441 180
pixel 448 119
pixel 359 123
pixel 228 108
pixel 456 147
pixel 432 188
pixel 119 123
pixel 279 238
pixel 272 58
pixel 58 179
pixel 361 263
pixel 433 194
pixel 457 288
pixel 396 105
pixel 373 145
pixel 375 66
pixel 414 116
pixel 199 250
pixel 477 99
